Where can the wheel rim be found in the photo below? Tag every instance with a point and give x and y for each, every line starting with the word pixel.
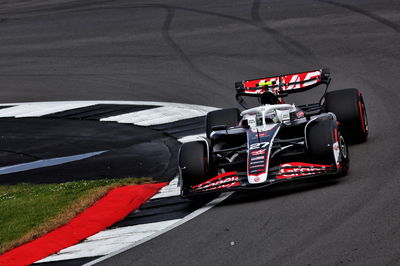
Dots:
pixel 363 115
pixel 342 146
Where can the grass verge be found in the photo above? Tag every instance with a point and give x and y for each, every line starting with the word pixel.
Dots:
pixel 29 211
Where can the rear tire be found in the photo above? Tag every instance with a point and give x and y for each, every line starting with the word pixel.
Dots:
pixel 193 164
pixel 349 108
pixel 228 117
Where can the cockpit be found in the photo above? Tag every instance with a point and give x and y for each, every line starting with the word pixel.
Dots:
pixel 271 114
pixel 269 118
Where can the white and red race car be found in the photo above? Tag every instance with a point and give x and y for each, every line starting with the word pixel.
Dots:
pixel 274 141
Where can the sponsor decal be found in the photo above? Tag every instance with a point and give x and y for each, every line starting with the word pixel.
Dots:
pixel 257 177
pixel 218 177
pixel 300 114
pixel 251 85
pixel 258 162
pixel 257 158
pixel 301 77
pixel 221 186
pixel 290 170
pixel 259 135
pixel 259 152
pixel 300 80
pixel 218 184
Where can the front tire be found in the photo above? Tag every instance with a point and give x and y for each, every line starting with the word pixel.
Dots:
pixel 193 164
pixel 326 145
pixel 320 140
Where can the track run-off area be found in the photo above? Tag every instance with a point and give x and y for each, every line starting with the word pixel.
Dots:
pixel 192 52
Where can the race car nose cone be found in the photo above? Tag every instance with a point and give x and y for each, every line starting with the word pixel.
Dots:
pixel 255 179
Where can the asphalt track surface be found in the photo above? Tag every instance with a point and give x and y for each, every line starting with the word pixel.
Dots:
pixel 132 153
pixel 192 52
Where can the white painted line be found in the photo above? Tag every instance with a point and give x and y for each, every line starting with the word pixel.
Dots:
pixel 114 240
pixel 169 190
pixel 111 242
pixel 187 218
pixel 46 163
pixel 161 115
pixel 108 241
pixel 39 105
pixel 40 109
pixel 166 113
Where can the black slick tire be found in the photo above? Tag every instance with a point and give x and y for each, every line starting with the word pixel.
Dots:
pixel 349 108
pixel 193 164
pixel 320 139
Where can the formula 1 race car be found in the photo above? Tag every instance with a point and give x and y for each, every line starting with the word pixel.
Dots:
pixel 274 142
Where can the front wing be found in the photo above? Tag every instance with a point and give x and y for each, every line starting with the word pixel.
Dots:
pixel 238 180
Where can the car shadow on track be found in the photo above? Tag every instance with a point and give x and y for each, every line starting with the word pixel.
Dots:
pixel 280 190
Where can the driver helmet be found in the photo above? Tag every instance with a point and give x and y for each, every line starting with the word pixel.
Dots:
pixel 271 117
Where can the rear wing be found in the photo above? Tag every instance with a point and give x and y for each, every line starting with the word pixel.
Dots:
pixel 284 84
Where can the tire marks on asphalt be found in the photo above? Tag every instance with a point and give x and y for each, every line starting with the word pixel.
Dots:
pixel 178 50
pixel 289 44
pixel 366 13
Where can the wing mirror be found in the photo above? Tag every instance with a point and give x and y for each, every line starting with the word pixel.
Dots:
pixel 245 123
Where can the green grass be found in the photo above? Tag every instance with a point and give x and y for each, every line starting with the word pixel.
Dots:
pixel 28 211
